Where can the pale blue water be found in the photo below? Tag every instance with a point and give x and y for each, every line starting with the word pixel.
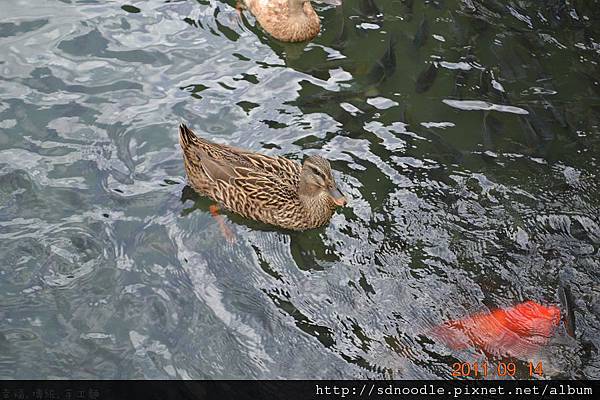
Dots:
pixel 469 154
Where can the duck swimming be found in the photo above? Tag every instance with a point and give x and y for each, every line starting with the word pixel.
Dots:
pixel 286 20
pixel 273 190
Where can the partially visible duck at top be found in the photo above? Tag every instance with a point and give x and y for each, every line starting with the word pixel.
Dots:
pixel 287 20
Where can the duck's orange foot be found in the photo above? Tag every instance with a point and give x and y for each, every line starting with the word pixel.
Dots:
pixel 225 230
pixel 214 210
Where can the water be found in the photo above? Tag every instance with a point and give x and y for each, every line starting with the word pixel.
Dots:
pixel 469 153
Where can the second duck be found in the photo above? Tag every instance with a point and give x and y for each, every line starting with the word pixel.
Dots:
pixel 286 20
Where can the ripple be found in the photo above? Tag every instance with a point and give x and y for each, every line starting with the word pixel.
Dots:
pixel 469 105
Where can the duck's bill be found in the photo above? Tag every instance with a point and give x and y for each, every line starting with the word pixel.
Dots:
pixel 338 198
pixel 332 2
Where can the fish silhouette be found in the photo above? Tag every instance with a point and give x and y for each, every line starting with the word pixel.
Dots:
pixel 422 33
pixel 514 331
pixel 566 299
pixel 385 67
pixel 368 8
pixel 426 78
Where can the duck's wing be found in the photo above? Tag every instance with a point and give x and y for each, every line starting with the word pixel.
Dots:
pixel 238 185
pixel 235 171
pixel 223 158
pixel 285 169
pixel 193 145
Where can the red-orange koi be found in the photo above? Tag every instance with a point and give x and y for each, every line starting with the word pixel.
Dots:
pixel 515 331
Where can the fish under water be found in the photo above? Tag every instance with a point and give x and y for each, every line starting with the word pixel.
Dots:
pixel 566 299
pixel 426 78
pixel 385 67
pixel 407 9
pixel 368 8
pixel 515 331
pixel 422 33
pixel 492 129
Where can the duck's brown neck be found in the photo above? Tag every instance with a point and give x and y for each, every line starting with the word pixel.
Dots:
pixel 319 208
pixel 302 23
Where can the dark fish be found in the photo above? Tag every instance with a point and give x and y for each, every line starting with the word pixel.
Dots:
pixel 385 66
pixel 558 115
pixel 341 38
pixel 444 150
pixel 531 139
pixel 492 127
pixel 369 8
pixel 566 299
pixel 426 78
pixel 485 82
pixel 540 133
pixel 320 99
pixel 539 124
pixel 422 33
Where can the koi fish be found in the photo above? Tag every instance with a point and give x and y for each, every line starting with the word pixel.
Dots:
pixel 515 331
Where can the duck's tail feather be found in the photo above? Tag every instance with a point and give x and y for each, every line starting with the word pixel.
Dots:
pixel 186 136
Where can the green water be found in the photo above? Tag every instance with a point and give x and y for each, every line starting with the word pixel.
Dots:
pixel 465 134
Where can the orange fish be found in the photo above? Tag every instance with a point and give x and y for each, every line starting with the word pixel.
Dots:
pixel 515 331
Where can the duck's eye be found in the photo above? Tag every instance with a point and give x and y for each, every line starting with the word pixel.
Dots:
pixel 317 172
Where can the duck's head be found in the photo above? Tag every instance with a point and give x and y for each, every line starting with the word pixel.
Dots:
pixel 317 183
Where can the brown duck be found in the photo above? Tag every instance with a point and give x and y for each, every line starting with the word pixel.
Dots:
pixel 286 20
pixel 273 190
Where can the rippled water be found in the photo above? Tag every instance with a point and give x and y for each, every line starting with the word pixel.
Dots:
pixel 465 134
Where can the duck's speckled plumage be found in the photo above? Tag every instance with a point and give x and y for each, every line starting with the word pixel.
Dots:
pixel 286 20
pixel 273 190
